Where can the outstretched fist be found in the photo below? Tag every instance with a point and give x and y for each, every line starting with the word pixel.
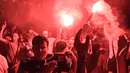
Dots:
pixel 49 67
pixel 4 26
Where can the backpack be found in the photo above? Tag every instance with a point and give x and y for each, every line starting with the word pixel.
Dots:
pixel 63 63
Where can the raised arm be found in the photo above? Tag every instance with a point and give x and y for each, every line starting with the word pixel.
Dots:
pixel 1 33
pixel 2 29
pixel 32 31
pixel 82 49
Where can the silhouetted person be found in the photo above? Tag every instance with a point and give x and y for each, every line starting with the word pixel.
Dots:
pixel 82 49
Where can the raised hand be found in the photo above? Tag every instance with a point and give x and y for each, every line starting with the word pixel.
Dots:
pixel 4 26
pixel 31 31
pixel 49 67
pixel 2 30
pixel 52 63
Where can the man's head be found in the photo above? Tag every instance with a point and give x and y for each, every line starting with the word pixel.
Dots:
pixel 45 33
pixel 15 36
pixel 40 46
pixel 60 46
pixel 8 37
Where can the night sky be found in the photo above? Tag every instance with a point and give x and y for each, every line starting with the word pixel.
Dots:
pixel 37 13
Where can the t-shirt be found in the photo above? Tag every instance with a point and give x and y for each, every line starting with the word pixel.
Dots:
pixel 15 52
pixel 50 47
pixel 3 64
pixel 12 51
pixel 33 66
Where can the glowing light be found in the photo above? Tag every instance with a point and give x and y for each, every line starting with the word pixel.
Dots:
pixel 67 20
pixel 98 7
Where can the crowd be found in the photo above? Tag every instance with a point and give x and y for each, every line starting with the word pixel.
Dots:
pixel 34 53
pixel 92 50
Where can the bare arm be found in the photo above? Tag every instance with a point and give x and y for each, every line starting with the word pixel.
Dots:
pixel 1 34
pixel 2 30
pixel 3 40
pixel 32 31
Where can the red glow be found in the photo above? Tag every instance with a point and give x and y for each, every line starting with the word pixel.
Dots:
pixel 98 7
pixel 67 13
pixel 104 18
pixel 67 20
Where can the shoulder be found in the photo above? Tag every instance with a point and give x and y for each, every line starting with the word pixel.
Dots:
pixel 3 61
pixel 10 43
pixel 2 57
pixel 52 38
